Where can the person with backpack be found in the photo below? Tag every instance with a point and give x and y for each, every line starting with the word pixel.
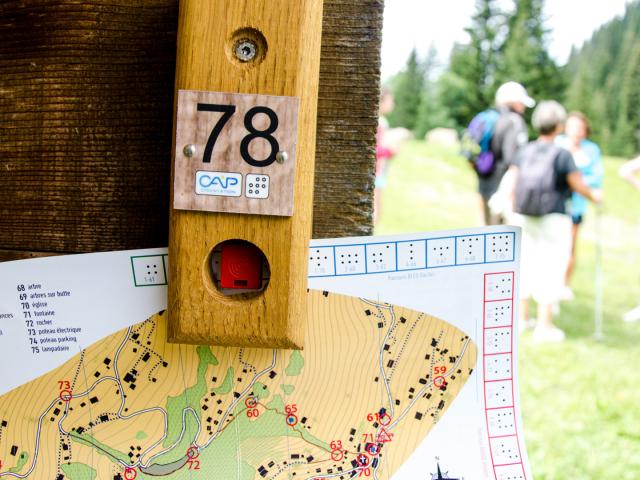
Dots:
pixel 545 177
pixel 492 139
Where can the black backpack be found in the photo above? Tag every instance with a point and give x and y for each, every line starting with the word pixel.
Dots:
pixel 536 192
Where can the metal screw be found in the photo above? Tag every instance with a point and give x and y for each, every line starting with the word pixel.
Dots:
pixel 189 150
pixel 246 50
pixel 282 157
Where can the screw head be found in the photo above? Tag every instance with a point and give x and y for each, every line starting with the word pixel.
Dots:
pixel 282 157
pixel 189 150
pixel 246 50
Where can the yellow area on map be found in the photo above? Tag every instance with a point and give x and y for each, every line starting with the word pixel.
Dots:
pixel 371 383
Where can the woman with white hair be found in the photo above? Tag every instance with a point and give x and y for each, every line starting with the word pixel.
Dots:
pixel 545 177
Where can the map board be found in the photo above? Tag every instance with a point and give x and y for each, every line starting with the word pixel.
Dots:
pixel 408 372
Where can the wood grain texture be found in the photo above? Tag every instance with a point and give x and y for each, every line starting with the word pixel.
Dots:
pixel 347 118
pixel 85 122
pixel 8 255
pixel 198 313
pixel 86 95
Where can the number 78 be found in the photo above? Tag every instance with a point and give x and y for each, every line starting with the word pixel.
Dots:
pixel 227 112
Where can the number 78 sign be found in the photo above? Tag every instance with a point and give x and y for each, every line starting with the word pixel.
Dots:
pixel 235 153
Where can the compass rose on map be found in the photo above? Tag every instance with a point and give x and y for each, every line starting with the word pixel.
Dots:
pixel 442 476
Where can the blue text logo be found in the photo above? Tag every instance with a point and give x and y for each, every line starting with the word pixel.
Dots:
pixel 207 181
pixel 226 184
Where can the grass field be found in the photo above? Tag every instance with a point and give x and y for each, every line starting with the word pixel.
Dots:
pixel 581 398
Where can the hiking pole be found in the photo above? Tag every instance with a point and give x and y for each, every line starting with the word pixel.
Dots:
pixel 599 281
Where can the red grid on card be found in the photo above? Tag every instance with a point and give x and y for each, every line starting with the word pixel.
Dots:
pixel 498 468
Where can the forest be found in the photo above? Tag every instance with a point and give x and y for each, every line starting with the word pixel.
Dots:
pixel 601 78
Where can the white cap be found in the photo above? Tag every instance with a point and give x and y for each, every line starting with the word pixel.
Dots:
pixel 513 92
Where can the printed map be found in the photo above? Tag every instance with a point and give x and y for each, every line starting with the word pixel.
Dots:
pixel 371 383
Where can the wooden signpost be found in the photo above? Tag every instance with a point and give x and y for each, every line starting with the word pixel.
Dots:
pixel 247 88
pixel 86 141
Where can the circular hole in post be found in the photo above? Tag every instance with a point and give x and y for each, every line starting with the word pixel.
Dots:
pixel 239 269
pixel 246 47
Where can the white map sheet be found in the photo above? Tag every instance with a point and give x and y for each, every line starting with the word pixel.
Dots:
pixel 409 370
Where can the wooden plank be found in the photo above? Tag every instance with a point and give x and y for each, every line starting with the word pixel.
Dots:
pixel 347 118
pixel 86 113
pixel 8 255
pixel 85 123
pixel 198 312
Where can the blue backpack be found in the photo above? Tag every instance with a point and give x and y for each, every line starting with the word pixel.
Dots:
pixel 476 142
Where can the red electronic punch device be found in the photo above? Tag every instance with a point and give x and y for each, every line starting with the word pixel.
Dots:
pixel 240 266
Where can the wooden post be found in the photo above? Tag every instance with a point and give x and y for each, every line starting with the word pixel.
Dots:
pixel 198 312
pixel 86 113
pixel 347 118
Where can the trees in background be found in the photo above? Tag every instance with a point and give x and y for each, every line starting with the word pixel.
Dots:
pixel 467 85
pixel 408 86
pixel 524 57
pixel 604 82
pixel 602 78
pixel 418 99
pixel 432 112
pixel 463 89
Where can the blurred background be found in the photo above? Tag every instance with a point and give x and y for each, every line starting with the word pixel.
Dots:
pixel 443 62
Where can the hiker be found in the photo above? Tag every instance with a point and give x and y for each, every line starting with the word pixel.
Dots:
pixel 630 171
pixel 509 134
pixel 588 158
pixel 545 175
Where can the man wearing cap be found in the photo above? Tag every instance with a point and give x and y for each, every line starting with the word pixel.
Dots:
pixel 509 135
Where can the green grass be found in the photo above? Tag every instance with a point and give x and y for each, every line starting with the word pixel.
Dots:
pixel 581 399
